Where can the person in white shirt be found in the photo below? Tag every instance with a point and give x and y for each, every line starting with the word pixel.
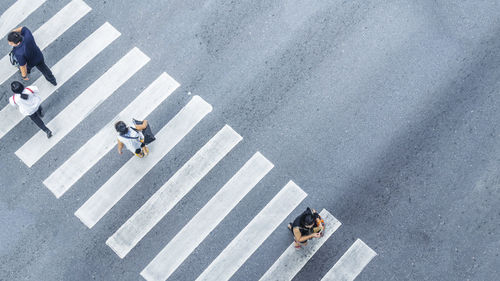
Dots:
pixel 27 100
pixel 132 138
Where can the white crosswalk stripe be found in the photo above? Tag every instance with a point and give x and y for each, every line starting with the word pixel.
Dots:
pixel 16 13
pixel 352 262
pixel 49 32
pixel 253 235
pixel 292 260
pixel 173 190
pixel 130 173
pixel 63 71
pixel 94 149
pixel 191 235
pixel 82 106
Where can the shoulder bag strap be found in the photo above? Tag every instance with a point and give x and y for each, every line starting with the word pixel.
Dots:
pixel 128 137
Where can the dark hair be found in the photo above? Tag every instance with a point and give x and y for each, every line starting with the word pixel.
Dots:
pixel 308 220
pixel 15 37
pixel 16 87
pixel 121 127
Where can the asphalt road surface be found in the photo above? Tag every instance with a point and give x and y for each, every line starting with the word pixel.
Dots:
pixel 385 113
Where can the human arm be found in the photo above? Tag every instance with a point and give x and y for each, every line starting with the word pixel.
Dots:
pixel 302 238
pixel 18 30
pixel 120 147
pixel 12 101
pixel 24 72
pixel 142 126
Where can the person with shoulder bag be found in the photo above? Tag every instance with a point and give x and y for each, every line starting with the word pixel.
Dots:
pixel 26 54
pixel 132 138
pixel 28 102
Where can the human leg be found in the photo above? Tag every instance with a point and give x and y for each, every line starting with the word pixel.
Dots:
pixel 36 119
pixel 40 112
pixel 45 70
pixel 145 149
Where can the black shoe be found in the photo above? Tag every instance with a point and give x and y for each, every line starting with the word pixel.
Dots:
pixel 53 82
pixel 49 134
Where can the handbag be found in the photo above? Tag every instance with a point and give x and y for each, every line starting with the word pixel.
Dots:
pixel 13 59
pixel 149 137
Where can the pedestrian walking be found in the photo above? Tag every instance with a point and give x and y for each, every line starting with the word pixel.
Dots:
pixel 27 100
pixel 306 226
pixel 27 54
pixel 132 138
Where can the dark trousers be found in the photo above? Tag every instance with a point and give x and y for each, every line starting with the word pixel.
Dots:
pixel 38 121
pixel 45 70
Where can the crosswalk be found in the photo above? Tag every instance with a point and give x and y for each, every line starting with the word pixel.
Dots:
pixel 220 144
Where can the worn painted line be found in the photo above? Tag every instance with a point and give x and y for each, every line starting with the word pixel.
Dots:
pixel 101 143
pixel 63 71
pixel 129 174
pixel 352 262
pixel 36 147
pixel 49 32
pixel 293 260
pixel 254 234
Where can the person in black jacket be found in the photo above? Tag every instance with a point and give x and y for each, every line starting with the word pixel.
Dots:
pixel 27 54
pixel 305 227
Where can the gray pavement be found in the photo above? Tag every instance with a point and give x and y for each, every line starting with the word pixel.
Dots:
pixel 384 112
